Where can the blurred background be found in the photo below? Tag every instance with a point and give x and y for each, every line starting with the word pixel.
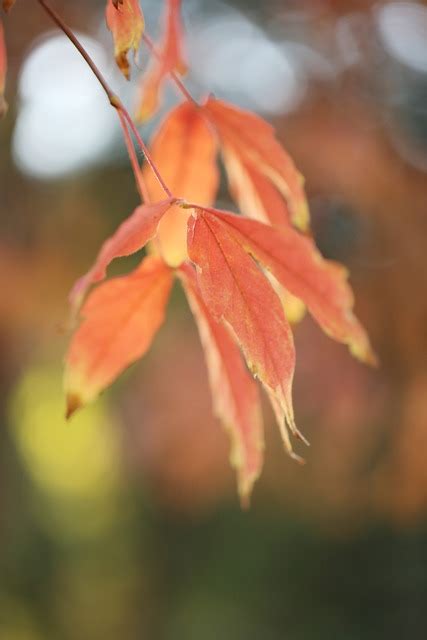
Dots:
pixel 125 522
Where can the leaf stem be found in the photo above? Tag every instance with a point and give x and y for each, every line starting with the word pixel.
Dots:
pixel 113 99
pixel 147 154
pixel 142 188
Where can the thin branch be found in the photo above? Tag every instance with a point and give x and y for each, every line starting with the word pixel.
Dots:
pixel 113 99
pixel 142 188
pixel 147 154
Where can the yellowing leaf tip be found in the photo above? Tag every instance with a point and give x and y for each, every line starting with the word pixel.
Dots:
pixel 125 20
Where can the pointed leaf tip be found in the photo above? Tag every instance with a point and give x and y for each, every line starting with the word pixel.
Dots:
pixel 235 395
pixel 301 461
pixel 74 403
pixel 245 501
pixel 237 293
pixel 300 436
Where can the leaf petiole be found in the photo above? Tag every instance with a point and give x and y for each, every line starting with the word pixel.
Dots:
pixel 113 99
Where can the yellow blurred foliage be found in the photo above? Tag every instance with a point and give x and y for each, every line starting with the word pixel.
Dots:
pixel 74 465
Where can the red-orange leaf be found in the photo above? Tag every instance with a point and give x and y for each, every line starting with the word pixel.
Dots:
pixel 252 144
pixel 132 235
pixel 184 150
pixel 3 71
pixel 295 262
pixel 237 292
pixel 120 320
pixel 126 22
pixel 170 59
pixel 235 395
pixel 255 193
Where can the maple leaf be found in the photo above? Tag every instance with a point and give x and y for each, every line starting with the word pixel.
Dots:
pixel 295 262
pixel 235 394
pixel 3 71
pixel 226 277
pixel 235 272
pixel 120 320
pixel 169 57
pixel 227 282
pixel 263 178
pixel 131 236
pixel 184 150
pixel 236 292
pixel 240 274
pixel 126 22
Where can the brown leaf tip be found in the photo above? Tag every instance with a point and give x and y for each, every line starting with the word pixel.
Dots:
pixel 301 437
pixel 73 404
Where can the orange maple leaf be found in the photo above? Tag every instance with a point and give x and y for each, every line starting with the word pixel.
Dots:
pixel 131 236
pixel 239 294
pixel 295 262
pixel 3 71
pixel 253 162
pixel 126 22
pixel 236 308
pixel 168 58
pixel 120 320
pixel 263 178
pixel 235 394
pixel 184 150
pixel 234 271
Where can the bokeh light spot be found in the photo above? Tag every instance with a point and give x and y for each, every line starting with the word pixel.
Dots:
pixel 64 122
pixel 73 466
pixel 403 30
